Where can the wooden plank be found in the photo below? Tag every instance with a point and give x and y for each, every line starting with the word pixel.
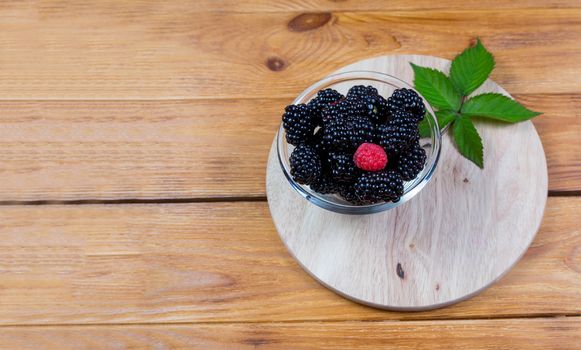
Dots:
pixel 370 5
pixel 123 50
pixel 203 263
pixel 559 127
pixel 135 149
pixel 75 150
pixel 542 333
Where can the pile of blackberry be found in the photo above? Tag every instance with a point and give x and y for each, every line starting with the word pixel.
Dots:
pixel 361 146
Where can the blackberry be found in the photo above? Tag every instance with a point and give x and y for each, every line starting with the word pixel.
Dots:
pixel 325 184
pixel 348 133
pixel 397 137
pixel 410 163
pixel 299 123
pixel 409 100
pixel 342 110
pixel 379 186
pixel 336 135
pixel 399 116
pixel 305 164
pixel 375 108
pixel 359 92
pixel 324 98
pixel 348 193
pixel 362 130
pixel 373 105
pixel 342 167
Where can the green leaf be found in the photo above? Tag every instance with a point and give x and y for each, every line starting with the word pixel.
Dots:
pixel 471 68
pixel 436 88
pixel 445 117
pixel 468 141
pixel 497 106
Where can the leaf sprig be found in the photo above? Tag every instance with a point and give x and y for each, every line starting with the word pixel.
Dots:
pixel 450 96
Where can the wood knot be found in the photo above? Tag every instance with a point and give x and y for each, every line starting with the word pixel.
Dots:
pixel 437 287
pixel 309 21
pixel 465 180
pixel 256 342
pixel 399 271
pixel 275 64
pixel 573 259
pixel 369 39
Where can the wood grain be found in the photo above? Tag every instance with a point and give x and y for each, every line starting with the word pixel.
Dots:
pixel 529 334
pixel 80 150
pixel 197 262
pixel 135 149
pixel 567 109
pixel 127 95
pixel 122 50
pixel 369 5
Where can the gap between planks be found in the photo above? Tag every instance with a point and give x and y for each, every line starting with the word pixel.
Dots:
pixel 137 201
pixel 260 198
pixel 576 316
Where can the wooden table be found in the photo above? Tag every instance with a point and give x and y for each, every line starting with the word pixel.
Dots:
pixel 133 142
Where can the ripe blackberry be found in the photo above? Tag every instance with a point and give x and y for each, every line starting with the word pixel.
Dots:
pixel 375 108
pixel 336 135
pixel 379 186
pixel 395 138
pixel 348 193
pixel 358 92
pixel 373 105
pixel 342 109
pixel 325 184
pixel 342 167
pixel 348 133
pixel 324 98
pixel 362 130
pixel 410 163
pixel 399 116
pixel 409 100
pixel 299 123
pixel 305 164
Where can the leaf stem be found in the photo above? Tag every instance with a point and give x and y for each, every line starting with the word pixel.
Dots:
pixel 458 114
pixel 461 104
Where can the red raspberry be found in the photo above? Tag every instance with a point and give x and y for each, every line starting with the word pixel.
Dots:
pixel 370 157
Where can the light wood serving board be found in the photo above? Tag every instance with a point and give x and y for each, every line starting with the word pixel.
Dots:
pixel 460 234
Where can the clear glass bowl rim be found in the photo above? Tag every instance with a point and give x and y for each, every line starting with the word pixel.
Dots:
pixel 420 181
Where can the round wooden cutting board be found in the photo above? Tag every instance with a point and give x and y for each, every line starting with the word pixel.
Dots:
pixel 460 234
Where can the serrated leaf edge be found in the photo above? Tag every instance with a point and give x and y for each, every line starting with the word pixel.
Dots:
pixel 458 105
pixel 461 91
pixel 455 124
pixel 463 112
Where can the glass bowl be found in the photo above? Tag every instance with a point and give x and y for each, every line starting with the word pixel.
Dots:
pixel 385 84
